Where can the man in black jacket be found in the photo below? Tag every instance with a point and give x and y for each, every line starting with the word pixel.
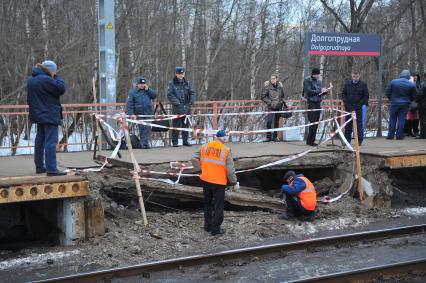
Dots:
pixel 355 95
pixel 181 95
pixel 313 91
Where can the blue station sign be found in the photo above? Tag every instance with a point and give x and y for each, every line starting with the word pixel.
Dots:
pixel 342 44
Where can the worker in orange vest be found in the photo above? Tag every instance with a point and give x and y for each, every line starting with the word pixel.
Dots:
pixel 217 173
pixel 301 197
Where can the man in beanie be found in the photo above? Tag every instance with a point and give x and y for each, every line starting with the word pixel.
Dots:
pixel 139 103
pixel 313 91
pixel 44 89
pixel 400 92
pixel 217 172
pixel 181 95
pixel 300 196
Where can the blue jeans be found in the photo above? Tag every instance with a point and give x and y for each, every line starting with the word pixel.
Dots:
pixel 143 134
pixel 397 116
pixel 272 122
pixel 45 147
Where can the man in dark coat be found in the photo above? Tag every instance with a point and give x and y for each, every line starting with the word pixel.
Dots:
pixel 400 92
pixel 181 95
pixel 421 100
pixel 44 89
pixel 273 96
pixel 139 103
pixel 355 95
pixel 313 91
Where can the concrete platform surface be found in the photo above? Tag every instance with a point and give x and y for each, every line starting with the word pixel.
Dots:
pixel 23 164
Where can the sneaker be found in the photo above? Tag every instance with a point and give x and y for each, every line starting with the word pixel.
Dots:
pixel 267 140
pixel 41 171
pixel 145 146
pixel 311 143
pixel 187 144
pixel 400 138
pixel 276 140
pixel 56 173
pixel 389 138
pixel 220 232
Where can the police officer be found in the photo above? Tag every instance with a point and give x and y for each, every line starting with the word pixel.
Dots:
pixel 313 90
pixel 139 103
pixel 301 197
pixel 217 172
pixel 181 95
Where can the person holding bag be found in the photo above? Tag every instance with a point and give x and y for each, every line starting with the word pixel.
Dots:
pixel 273 96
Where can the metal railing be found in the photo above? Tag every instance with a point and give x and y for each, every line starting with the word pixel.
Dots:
pixel 17 134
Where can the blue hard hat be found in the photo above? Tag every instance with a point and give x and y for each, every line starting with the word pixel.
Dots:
pixel 221 134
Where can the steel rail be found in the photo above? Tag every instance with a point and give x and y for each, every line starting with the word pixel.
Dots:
pixel 168 264
pixel 387 271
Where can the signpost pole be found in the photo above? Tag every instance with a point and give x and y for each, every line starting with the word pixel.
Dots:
pixel 379 92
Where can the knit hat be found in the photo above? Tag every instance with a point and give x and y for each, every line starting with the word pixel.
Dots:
pixel 288 174
pixel 50 65
pixel 141 80
pixel 180 70
pixel 316 71
pixel 221 134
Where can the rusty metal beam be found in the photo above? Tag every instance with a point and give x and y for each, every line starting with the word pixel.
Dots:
pixel 31 192
pixel 408 161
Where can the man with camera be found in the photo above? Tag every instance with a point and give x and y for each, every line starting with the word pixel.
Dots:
pixel 181 95
pixel 139 102
pixel 45 88
pixel 273 96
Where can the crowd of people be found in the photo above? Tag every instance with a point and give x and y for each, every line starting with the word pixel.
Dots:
pixel 407 96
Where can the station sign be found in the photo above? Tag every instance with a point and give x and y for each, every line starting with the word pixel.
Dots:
pixel 342 44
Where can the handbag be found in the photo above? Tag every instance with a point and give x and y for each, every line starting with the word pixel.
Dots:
pixel 165 123
pixel 288 114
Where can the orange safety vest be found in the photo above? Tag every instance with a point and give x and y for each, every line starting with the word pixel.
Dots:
pixel 213 163
pixel 308 197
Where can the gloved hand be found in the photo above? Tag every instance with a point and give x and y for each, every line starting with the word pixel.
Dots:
pixel 235 187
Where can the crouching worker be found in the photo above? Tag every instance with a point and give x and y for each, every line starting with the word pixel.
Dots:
pixel 217 172
pixel 301 197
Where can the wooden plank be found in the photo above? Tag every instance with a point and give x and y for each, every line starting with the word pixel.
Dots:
pixel 244 198
pixel 411 161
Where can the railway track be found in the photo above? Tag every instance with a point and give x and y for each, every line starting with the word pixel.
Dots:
pixel 145 269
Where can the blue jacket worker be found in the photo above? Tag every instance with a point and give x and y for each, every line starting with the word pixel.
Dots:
pixel 355 95
pixel 44 89
pixel 301 197
pixel 139 102
pixel 181 95
pixel 400 92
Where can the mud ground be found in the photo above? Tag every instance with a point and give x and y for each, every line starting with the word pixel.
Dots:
pixel 172 234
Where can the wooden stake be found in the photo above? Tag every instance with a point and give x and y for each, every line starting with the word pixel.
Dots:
pixel 135 169
pixel 95 101
pixel 357 156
